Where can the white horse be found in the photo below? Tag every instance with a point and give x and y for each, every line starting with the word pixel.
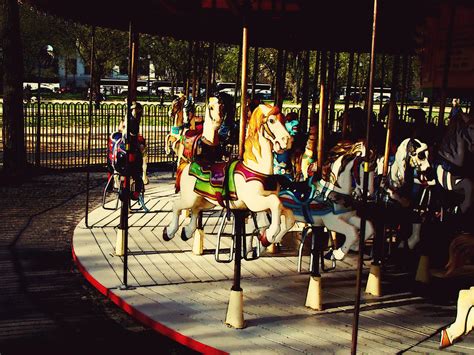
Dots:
pixel 411 165
pixel 202 140
pixel 246 184
pixel 328 202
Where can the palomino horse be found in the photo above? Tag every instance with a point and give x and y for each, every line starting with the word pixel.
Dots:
pixel 240 185
pixel 328 202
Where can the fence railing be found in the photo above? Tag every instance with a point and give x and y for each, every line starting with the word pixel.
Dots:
pixel 64 126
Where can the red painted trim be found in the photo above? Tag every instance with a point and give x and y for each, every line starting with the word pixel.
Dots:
pixel 143 318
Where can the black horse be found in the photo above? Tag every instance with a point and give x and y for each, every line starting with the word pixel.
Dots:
pixel 453 167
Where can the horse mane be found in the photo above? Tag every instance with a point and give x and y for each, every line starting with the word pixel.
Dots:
pixel 348 151
pixel 258 117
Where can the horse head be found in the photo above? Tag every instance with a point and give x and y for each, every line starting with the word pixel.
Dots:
pixel 176 110
pixel 215 112
pixel 411 153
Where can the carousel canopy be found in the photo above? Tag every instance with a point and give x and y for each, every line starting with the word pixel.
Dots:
pixel 340 25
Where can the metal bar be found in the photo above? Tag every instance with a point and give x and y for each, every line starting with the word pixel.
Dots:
pixel 195 86
pixel 356 78
pixel 322 112
pixel 89 133
pixel 305 93
pixel 347 98
pixel 447 64
pixel 279 74
pixel 382 77
pixel 404 86
pixel 355 325
pixel 243 95
pixel 239 220
pixel 131 96
pixel 38 119
pixel 254 71
pixel 331 88
pixel 237 79
pixel 315 83
pixel 392 114
pixel 188 68
pixel 209 71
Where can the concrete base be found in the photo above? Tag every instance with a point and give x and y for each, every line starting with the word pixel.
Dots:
pixel 314 295
pixel 374 282
pixel 120 243
pixel 423 271
pixel 198 242
pixel 235 310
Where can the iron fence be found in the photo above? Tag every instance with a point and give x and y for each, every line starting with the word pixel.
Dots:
pixel 64 128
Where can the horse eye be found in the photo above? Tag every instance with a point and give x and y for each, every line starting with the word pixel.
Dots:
pixel 422 155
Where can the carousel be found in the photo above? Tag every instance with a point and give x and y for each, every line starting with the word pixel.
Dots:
pixel 322 227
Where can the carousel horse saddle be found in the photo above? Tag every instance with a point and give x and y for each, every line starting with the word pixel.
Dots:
pixel 191 142
pixel 301 190
pixel 215 181
pixel 303 199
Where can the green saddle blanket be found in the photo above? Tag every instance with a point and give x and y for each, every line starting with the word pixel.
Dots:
pixel 215 181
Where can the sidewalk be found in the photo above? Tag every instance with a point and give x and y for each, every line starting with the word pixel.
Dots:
pixel 47 307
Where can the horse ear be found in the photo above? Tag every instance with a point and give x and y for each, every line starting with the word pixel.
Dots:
pixel 412 146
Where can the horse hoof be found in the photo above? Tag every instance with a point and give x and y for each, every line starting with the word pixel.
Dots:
pixel 444 341
pixel 183 235
pixel 166 238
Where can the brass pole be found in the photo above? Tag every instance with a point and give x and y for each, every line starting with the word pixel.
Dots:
pixel 322 112
pixel 243 95
pixel 370 89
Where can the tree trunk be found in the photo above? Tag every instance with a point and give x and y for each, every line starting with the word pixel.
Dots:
pixel 14 154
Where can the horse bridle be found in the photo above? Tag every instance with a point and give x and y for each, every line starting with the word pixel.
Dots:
pixel 221 109
pixel 267 130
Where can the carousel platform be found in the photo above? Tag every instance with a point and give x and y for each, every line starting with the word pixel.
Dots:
pixel 185 296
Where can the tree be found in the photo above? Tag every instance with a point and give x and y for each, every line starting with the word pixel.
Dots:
pixel 14 154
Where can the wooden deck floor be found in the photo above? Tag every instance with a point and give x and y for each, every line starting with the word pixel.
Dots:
pixel 184 294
